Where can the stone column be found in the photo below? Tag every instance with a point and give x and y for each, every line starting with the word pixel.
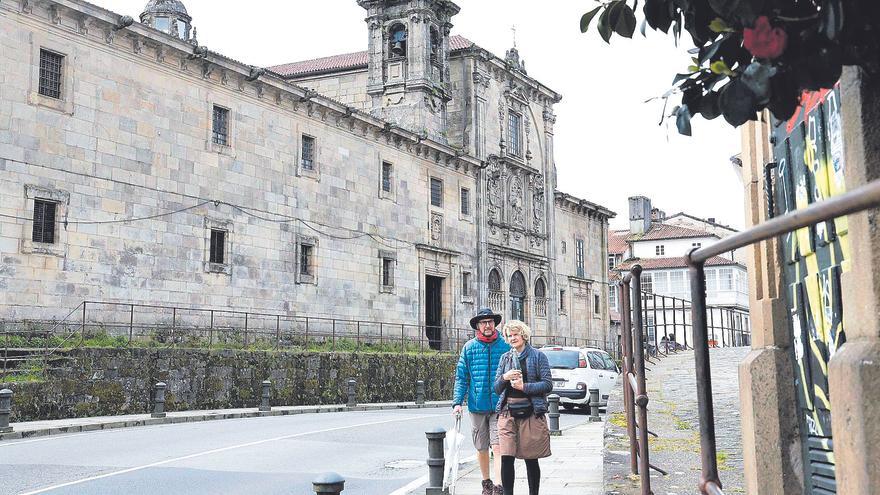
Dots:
pixel 854 371
pixel 771 444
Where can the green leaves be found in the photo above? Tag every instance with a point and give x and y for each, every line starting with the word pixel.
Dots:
pixel 616 17
pixel 587 18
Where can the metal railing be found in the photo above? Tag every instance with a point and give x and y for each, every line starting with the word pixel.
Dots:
pixel 862 198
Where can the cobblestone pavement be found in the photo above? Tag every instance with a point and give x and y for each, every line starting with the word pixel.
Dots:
pixel 673 416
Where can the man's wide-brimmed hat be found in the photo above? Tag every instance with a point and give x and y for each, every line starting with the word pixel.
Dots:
pixel 485 314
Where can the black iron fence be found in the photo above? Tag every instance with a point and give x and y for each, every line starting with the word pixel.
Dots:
pixel 30 347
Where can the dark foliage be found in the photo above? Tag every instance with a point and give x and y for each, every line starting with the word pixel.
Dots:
pixel 751 55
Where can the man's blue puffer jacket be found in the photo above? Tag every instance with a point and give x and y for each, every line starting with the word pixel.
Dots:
pixel 475 374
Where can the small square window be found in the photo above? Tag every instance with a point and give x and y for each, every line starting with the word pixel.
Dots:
pixel 44 221
pixel 305 260
pixel 386 176
pixel 436 192
pixel 465 201
pixel 51 65
pixel 220 128
pixel 218 246
pixel 308 153
pixel 660 250
pixel 697 245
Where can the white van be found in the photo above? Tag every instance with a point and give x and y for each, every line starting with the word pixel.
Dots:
pixel 576 370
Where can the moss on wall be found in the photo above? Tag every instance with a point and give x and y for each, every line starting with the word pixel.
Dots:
pixel 97 382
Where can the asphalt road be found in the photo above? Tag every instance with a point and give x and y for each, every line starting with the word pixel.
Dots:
pixel 377 452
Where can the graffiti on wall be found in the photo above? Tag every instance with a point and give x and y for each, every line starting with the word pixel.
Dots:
pixel 809 154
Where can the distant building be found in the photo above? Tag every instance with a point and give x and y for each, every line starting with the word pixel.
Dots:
pixel 660 244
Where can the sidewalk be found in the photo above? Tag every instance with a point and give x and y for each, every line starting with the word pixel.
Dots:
pixel 575 468
pixel 75 425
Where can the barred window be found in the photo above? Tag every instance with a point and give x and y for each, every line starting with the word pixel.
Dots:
pixel 218 246
pixel 308 152
pixel 386 176
pixel 305 259
pixel 436 192
pixel 387 272
pixel 465 201
pixel 494 280
pixel 514 128
pixel 44 221
pixel 579 257
pixel 659 250
pixel 50 73
pixel 220 133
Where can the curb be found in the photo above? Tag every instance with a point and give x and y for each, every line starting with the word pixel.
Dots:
pixel 183 417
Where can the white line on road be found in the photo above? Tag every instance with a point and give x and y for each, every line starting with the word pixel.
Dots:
pixel 224 449
pixel 418 482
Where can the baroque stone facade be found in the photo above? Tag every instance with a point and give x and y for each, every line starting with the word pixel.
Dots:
pixel 411 183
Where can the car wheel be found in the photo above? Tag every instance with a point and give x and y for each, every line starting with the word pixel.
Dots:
pixel 567 406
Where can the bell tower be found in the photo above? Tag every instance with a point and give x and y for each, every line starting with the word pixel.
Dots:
pixel 409 62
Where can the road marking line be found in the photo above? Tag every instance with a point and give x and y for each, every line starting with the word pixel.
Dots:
pixel 223 449
pixel 418 482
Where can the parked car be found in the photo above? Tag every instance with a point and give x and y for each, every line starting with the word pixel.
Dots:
pixel 576 370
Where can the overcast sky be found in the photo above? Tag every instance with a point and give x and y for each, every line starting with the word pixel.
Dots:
pixel 609 145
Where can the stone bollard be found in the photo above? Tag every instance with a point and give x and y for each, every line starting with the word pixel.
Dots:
pixel 159 401
pixel 594 405
pixel 553 415
pixel 420 392
pixel 264 403
pixel 352 401
pixel 436 462
pixel 328 484
pixel 5 410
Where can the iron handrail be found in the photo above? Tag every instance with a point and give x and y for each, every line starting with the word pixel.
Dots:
pixel 857 200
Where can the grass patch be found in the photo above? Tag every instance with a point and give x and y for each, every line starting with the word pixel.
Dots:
pixel 618 419
pixel 681 424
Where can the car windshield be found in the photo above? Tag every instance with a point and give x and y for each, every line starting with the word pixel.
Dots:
pixel 598 361
pixel 562 359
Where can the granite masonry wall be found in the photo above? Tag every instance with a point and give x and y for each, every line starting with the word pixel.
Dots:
pixel 97 382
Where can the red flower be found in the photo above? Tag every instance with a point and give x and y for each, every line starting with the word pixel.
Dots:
pixel 764 41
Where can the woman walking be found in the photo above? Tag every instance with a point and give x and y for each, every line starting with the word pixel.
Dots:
pixel 522 381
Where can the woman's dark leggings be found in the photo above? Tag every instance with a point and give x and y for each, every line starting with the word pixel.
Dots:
pixel 508 475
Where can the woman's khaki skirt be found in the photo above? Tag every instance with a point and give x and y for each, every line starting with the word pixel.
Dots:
pixel 527 438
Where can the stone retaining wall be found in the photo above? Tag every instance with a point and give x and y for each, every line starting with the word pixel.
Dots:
pixel 96 382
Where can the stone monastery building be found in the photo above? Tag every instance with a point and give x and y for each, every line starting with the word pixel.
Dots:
pixel 413 182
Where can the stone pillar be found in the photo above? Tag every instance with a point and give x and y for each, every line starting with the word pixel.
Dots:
pixel 771 443
pixel 854 371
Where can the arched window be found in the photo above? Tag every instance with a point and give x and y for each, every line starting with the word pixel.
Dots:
pixel 517 296
pixel 435 45
pixel 397 41
pixel 540 297
pixel 494 280
pixel 540 288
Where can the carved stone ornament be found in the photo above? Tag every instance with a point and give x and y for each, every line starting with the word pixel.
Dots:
pixel 436 228
pixel 494 179
pixel 54 14
pixel 538 204
pixel 517 208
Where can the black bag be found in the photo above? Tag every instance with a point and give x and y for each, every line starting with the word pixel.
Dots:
pixel 520 410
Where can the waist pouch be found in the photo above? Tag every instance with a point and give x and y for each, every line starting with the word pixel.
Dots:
pixel 520 409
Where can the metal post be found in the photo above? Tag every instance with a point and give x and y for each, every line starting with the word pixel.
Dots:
pixel 594 405
pixel 333 344
pixel 245 330
pixel 130 324
pixel 420 392
pixel 665 329
pixel 5 410
pixel 711 325
pixel 553 415
pixel 82 335
pixel 674 328
pixel 277 332
pixel 436 462
pixel 641 397
pixel 656 325
pixel 264 404
pixel 211 331
pixel 159 401
pixel 358 346
pixel 628 400
pixel 704 376
pixel 328 484
pixel 306 346
pixel 352 401
pixel 173 324
pixel 381 334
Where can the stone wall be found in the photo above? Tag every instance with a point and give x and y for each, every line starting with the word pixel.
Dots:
pixel 99 382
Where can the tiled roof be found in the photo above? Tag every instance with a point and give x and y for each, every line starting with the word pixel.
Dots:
pixel 347 61
pixel 676 262
pixel 617 241
pixel 663 231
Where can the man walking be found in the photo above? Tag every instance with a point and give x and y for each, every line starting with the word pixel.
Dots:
pixel 475 376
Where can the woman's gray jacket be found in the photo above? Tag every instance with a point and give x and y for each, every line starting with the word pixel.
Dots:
pixel 538 369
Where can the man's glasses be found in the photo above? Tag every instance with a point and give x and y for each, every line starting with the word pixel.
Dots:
pixel 485 323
